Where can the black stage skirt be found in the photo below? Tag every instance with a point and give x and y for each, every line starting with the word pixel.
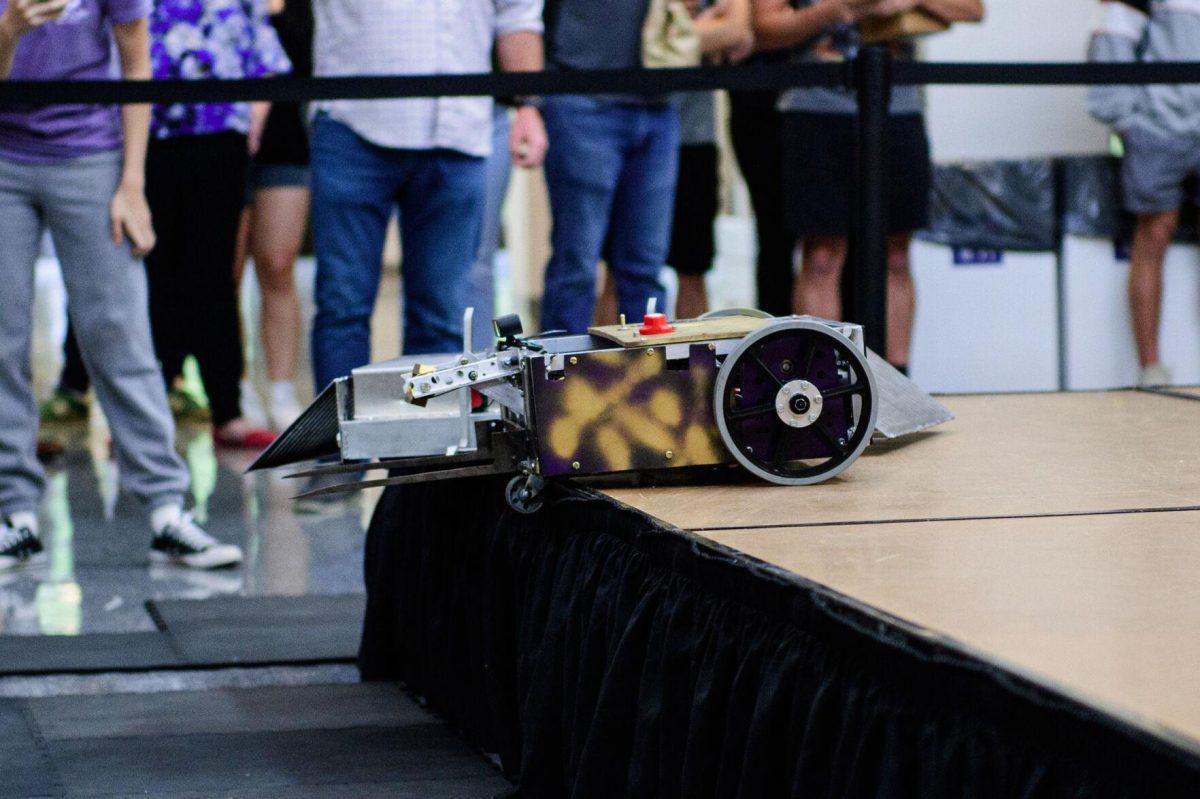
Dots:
pixel 602 654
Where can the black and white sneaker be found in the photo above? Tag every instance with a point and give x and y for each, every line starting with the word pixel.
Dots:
pixel 19 545
pixel 183 543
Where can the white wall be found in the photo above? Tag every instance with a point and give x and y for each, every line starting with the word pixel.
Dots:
pixel 983 123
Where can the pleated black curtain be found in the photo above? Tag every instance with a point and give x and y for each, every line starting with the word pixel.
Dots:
pixel 603 655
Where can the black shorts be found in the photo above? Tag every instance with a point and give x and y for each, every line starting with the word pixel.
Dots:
pixel 818 173
pixel 693 241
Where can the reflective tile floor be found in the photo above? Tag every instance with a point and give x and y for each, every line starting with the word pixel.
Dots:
pixel 97 579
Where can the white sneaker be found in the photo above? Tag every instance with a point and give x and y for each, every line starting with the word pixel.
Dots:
pixel 283 408
pixel 19 542
pixel 182 542
pixel 1153 376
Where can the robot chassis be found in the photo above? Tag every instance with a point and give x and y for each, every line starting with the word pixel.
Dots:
pixel 792 400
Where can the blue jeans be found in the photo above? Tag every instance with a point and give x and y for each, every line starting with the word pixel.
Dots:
pixel 611 171
pixel 356 186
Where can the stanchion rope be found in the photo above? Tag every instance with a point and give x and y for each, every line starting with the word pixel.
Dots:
pixel 755 77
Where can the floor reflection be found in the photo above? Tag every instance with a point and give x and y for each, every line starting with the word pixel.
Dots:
pixel 97 578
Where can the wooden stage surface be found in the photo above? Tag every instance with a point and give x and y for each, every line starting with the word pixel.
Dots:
pixel 1055 534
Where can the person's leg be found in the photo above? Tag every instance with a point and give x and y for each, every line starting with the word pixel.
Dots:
pixel 819 285
pixel 582 169
pixel 277 233
pixel 1151 238
pixel 901 301
pixel 107 299
pixel 354 190
pixel 693 235
pixel 643 206
pixel 170 284
pixel 756 129
pixel 21 475
pixel 74 376
pixel 214 181
pixel 481 291
pixel 818 161
pixel 441 210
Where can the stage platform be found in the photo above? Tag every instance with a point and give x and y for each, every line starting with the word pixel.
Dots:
pixel 1007 605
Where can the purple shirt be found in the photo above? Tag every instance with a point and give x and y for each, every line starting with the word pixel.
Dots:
pixel 193 39
pixel 77 46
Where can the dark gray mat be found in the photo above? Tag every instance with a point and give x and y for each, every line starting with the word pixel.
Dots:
pixel 208 633
pixel 25 770
pixel 59 654
pixel 263 630
pixel 304 741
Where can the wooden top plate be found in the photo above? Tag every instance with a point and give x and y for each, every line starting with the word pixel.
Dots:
pixel 686 331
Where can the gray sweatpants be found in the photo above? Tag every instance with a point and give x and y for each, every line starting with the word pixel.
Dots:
pixel 106 297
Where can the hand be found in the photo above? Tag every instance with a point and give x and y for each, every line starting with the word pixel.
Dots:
pixel 742 49
pixel 22 16
pixel 130 216
pixel 258 123
pixel 527 142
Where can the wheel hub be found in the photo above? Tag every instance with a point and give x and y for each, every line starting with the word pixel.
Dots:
pixel 799 403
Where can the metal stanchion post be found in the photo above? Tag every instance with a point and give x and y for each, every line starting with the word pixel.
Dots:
pixel 873 80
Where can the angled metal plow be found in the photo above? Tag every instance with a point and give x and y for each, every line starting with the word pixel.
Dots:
pixel 407 479
pixel 312 436
pixel 904 408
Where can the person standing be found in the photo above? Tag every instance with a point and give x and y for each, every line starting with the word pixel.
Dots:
pixel 1160 128
pixel 276 217
pixel 78 171
pixel 196 184
pixel 818 142
pixel 725 36
pixel 425 156
pixel 610 171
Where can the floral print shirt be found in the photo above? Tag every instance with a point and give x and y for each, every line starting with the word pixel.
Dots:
pixel 193 39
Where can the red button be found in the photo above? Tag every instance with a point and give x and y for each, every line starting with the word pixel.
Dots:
pixel 655 324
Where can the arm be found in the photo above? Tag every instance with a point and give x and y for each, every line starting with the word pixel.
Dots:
pixel 19 18
pixel 1117 38
pixel 519 49
pixel 955 10
pixel 726 30
pixel 129 212
pixel 777 25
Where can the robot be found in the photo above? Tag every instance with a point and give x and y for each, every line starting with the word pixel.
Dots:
pixel 791 400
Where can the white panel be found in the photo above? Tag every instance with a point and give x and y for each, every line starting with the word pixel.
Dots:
pixel 1100 348
pixel 985 328
pixel 979 123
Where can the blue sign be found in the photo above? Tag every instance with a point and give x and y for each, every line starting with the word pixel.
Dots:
pixel 976 256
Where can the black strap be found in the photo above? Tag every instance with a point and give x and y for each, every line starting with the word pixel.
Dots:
pixel 656 82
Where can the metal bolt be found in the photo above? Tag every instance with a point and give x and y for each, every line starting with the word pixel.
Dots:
pixel 574 360
pixel 464 361
pixel 712 347
pixel 575 465
pixel 669 454
pixel 812 417
pixel 786 367
pixel 650 351
pixel 817 400
pixel 424 386
pixel 472 375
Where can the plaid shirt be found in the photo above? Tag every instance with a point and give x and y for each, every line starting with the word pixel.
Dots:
pixel 416 37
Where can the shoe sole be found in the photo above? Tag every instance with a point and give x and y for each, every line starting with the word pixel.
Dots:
pixel 8 565
pixel 217 558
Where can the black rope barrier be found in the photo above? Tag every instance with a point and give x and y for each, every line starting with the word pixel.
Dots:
pixel 760 77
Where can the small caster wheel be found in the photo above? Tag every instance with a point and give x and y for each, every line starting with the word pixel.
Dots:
pixel 524 493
